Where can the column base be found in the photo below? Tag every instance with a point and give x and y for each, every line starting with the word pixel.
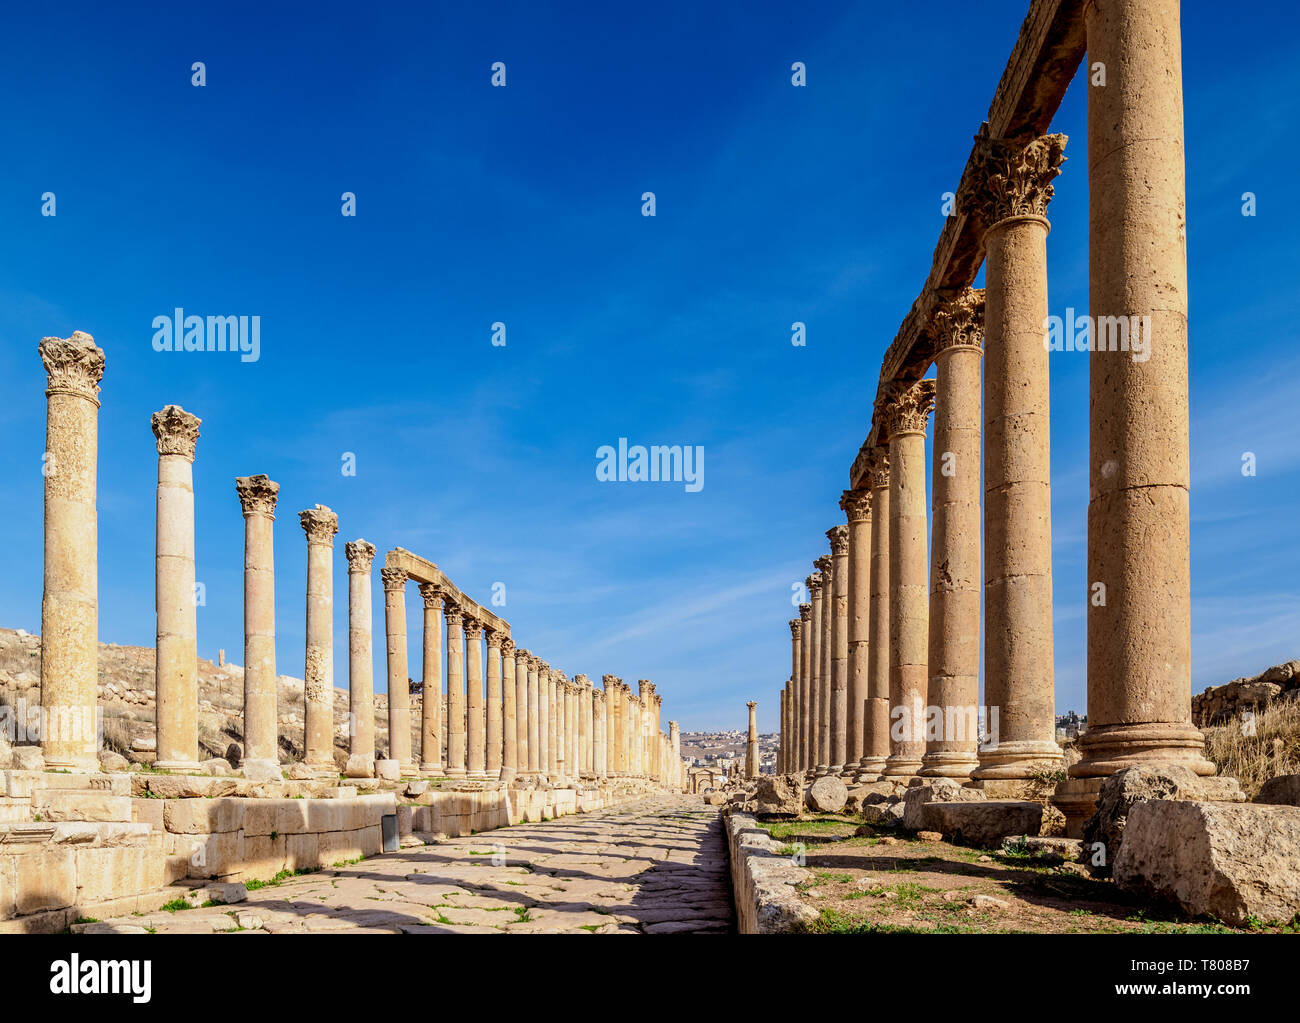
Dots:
pixel 185 766
pixel 901 767
pixel 455 772
pixel 360 765
pixel 870 768
pixel 1076 798
pixel 431 770
pixel 949 764
pixel 479 776
pixel 1110 748
pixel 1018 760
pixel 409 769
pixel 75 764
pixel 262 769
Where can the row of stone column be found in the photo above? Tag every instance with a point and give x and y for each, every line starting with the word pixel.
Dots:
pixel 532 721
pixel 886 653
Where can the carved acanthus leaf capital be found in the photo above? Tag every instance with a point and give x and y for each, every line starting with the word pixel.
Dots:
pixel 814 583
pixel 73 365
pixel 1013 177
pixel 394 578
pixel 176 431
pixel 959 322
pixel 907 407
pixel 824 565
pixel 320 524
pixel 805 613
pixel 431 594
pixel 839 538
pixel 856 505
pixel 257 494
pixel 796 627
pixel 473 629
pixel 360 555
pixel 878 473
pixel 494 637
pixel 507 647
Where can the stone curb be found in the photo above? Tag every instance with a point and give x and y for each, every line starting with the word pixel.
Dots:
pixel 762 880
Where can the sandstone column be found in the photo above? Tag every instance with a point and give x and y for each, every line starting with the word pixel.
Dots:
pixel 70 600
pixel 751 743
pixel 521 711
pixel 857 509
pixel 495 706
pixel 399 688
pixel 456 760
pixel 176 670
pixel 909 615
pixel 320 525
pixel 1139 609
pixel 816 588
pixel 509 713
pixel 675 739
pixel 782 750
pixel 571 728
pixel 825 660
pixel 599 766
pixel 361 667
pixel 1010 197
pixel 611 725
pixel 535 763
pixel 839 651
pixel 544 720
pixel 257 498
pixel 876 741
pixel 584 726
pixel 431 700
pixel 475 725
pixel 958 332
pixel 802 721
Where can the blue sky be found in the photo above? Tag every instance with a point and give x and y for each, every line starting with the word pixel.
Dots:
pixel 523 205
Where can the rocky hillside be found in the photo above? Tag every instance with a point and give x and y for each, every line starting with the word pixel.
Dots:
pixel 126 696
pixel 1220 704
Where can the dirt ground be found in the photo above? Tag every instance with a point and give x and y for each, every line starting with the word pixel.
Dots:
pixel 893 882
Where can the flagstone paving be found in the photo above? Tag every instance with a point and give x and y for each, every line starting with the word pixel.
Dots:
pixel 657 866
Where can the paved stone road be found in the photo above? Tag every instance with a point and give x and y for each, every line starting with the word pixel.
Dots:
pixel 657 866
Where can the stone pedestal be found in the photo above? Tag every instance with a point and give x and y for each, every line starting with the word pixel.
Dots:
pixel 320 526
pixel 257 498
pixel 955 540
pixel 909 603
pixel 70 598
pixel 176 664
pixel 361 669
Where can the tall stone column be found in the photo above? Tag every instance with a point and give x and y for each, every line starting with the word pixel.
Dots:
pixel 857 509
pixel 176 670
pixel 825 659
pixel 584 726
pixel 839 651
pixel 475 725
pixel 456 740
pixel 675 740
pixel 545 720
pixel 645 693
pixel 320 525
pixel 399 688
pixel 534 720
pixel 816 588
pixel 598 767
pixel 509 713
pixel 361 661
pixel 611 725
pixel 958 332
pixel 876 741
pixel 257 498
pixel 70 599
pixel 1139 607
pixel 563 765
pixel 1010 196
pixel 909 613
pixel 495 706
pixel 751 743
pixel 803 722
pixel 431 699
pixel 553 755
pixel 571 728
pixel 781 732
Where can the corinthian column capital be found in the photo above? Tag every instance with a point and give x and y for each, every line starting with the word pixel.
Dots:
pixel 823 564
pixel 320 524
pixel 907 407
pixel 176 430
pixel 959 322
pixel 432 595
pixel 394 578
pixel 839 538
pixel 360 555
pixel 796 627
pixel 805 614
pixel 257 494
pixel 73 365
pixel 856 505
pixel 1013 177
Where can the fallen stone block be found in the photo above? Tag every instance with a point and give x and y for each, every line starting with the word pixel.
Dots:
pixel 388 770
pixel 827 795
pixel 939 790
pixel 983 823
pixel 1233 861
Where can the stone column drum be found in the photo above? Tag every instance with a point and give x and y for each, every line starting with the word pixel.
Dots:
pixel 839 651
pixel 475 725
pixel 399 689
pixel 257 499
pixel 958 331
pixel 1010 195
pixel 176 670
pixel 509 713
pixel 431 698
pixel 361 666
pixel 857 509
pixel 70 598
pixel 456 759
pixel 876 741
pixel 909 614
pixel 320 525
pixel 1139 607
